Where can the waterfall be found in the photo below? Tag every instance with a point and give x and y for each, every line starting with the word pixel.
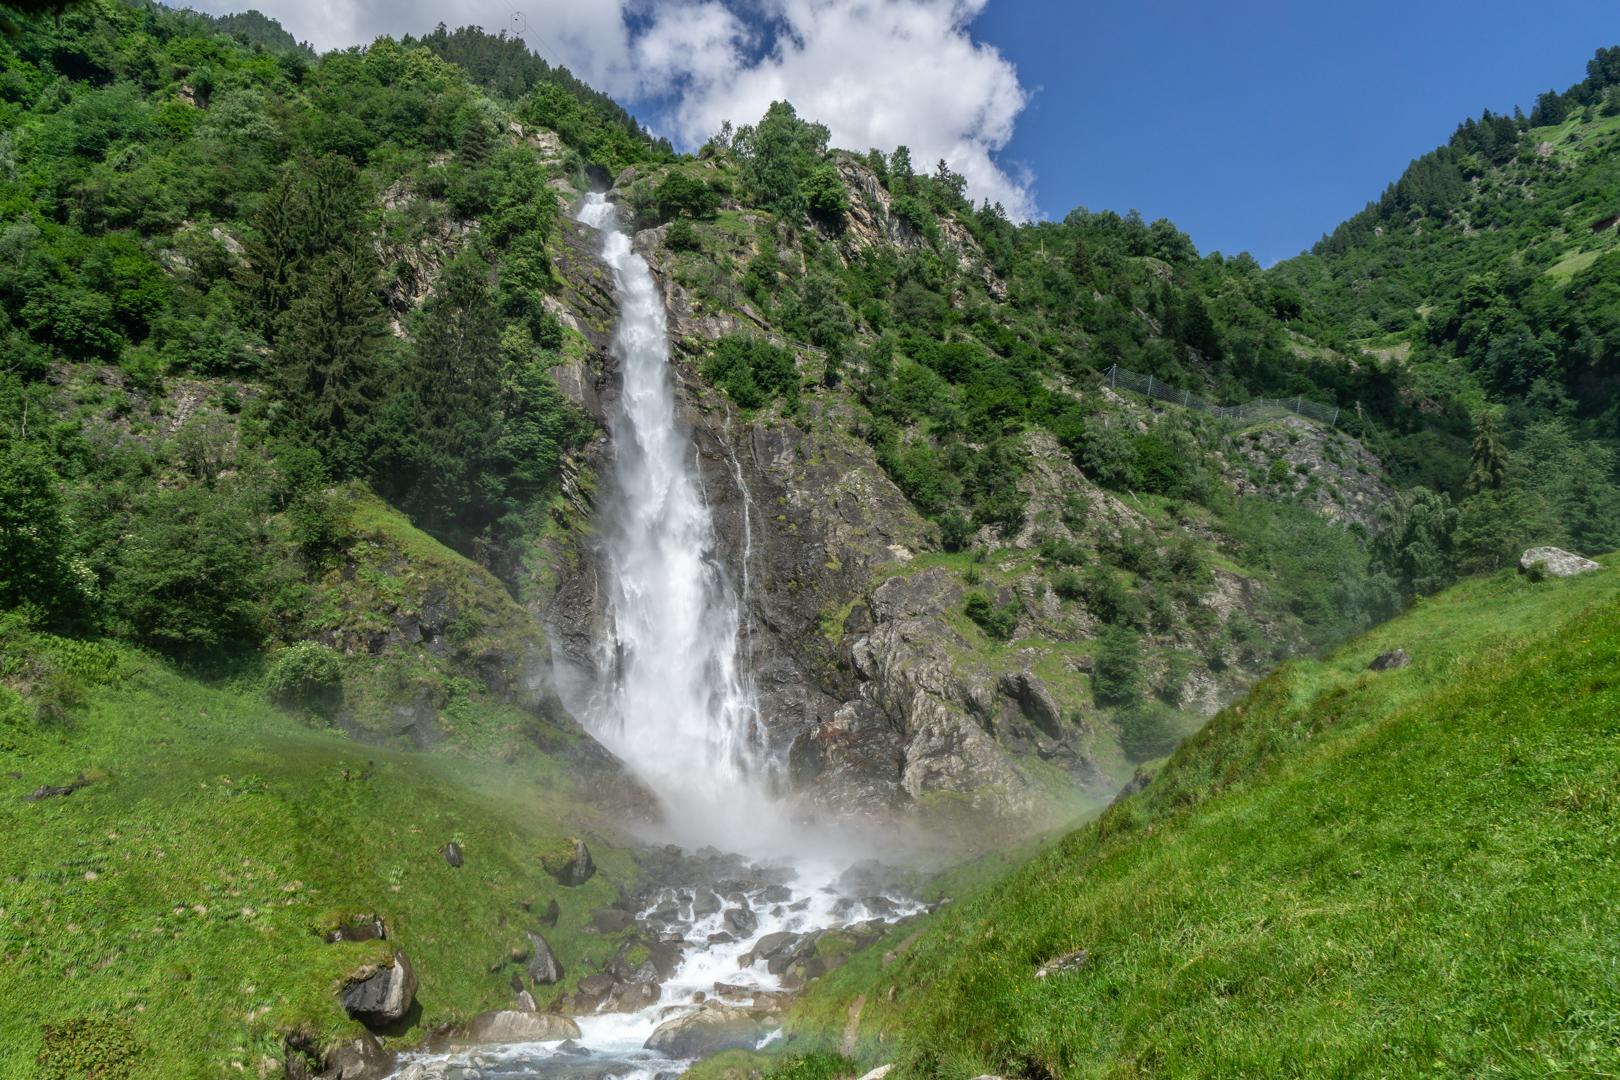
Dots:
pixel 671 698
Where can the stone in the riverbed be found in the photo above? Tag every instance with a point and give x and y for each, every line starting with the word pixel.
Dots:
pixel 377 996
pixel 722 938
pixel 515 1025
pixel 742 921
pixel 543 967
pixel 359 1059
pixel 712 1028
pixel 523 1001
pixel 631 997
pixel 706 903
pixel 591 990
pixel 778 894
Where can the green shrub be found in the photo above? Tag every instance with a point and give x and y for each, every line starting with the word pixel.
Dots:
pixel 681 236
pixel 1147 730
pixel 307 675
pixel 1118 666
pixel 998 623
pixel 1068 585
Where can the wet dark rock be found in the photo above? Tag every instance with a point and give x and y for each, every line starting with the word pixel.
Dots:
pixel 741 920
pixel 1389 661
pixel 452 854
pixel 379 996
pixel 543 967
pixel 576 871
pixel 706 903
pixel 778 894
pixel 878 905
pixel 722 938
pixel 631 997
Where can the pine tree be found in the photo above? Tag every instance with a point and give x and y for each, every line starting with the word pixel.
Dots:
pixel 1080 262
pixel 1489 461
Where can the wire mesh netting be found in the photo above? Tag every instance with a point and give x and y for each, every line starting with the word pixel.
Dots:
pixel 1263 408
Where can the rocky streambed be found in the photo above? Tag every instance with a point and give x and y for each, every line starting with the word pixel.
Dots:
pixel 706 956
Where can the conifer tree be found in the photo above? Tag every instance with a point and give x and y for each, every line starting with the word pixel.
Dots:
pixel 1488 463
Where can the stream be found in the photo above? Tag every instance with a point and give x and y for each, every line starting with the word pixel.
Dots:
pixel 731 938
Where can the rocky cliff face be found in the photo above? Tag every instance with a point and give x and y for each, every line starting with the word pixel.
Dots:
pixel 879 697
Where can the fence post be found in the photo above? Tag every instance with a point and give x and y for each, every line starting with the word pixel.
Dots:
pixel 1299 401
pixel 1335 421
pixel 1150 386
pixel 1185 394
pixel 1113 374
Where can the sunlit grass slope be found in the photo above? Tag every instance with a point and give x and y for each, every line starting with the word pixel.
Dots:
pixel 162 918
pixel 1347 873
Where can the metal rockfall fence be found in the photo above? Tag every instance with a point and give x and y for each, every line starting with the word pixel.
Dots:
pixel 1259 409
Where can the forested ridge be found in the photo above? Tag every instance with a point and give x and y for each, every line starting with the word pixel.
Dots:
pixel 350 257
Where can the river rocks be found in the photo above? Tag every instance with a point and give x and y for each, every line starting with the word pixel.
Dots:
pixel 359 1059
pixel 631 997
pixel 1560 563
pixel 543 967
pixel 379 996
pixel 742 921
pixel 1389 661
pixel 712 1028
pixel 575 871
pixel 706 903
pixel 517 1025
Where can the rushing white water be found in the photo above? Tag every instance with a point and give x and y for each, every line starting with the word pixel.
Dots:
pixel 672 698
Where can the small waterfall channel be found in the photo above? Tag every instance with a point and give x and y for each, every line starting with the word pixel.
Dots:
pixel 675 700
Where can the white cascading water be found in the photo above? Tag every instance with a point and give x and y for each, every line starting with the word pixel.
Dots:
pixel 674 699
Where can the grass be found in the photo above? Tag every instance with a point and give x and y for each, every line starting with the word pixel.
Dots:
pixel 1345 874
pixel 164 917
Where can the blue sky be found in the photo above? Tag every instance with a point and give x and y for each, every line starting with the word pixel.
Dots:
pixel 1258 126
pixel 1254 126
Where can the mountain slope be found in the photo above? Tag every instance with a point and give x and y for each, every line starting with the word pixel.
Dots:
pixel 1348 873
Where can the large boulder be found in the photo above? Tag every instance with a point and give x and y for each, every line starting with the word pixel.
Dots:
pixel 712 1028
pixel 359 1059
pixel 610 921
pixel 544 968
pixel 573 871
pixel 513 1025
pixel 379 996
pixel 742 921
pixel 1560 563
pixel 1389 661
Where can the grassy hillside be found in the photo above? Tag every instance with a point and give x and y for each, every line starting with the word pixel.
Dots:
pixel 1347 873
pixel 163 918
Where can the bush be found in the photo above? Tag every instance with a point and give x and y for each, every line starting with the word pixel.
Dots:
pixel 1147 730
pixel 1119 670
pixel 1068 585
pixel 308 675
pixel 998 623
pixel 681 236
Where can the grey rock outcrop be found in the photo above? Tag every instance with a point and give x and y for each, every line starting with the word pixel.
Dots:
pixel 1389 661
pixel 1560 563
pixel 379 996
pixel 543 967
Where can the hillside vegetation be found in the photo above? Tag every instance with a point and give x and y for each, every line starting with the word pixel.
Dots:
pixel 1346 873
pixel 164 919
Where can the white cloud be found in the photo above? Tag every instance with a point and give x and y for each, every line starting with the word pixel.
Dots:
pixel 876 72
